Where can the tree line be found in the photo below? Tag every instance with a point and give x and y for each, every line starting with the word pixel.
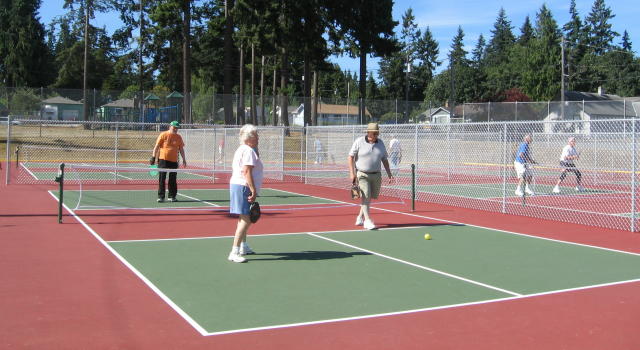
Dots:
pixel 281 48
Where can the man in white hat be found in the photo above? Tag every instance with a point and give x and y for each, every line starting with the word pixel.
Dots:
pixel 365 156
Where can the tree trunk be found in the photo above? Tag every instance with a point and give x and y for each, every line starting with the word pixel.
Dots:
pixel 140 64
pixel 241 88
pixel 314 99
pixel 307 90
pixel 274 102
pixel 186 61
pixel 262 118
pixel 363 87
pixel 85 78
pixel 227 89
pixel 284 99
pixel 254 120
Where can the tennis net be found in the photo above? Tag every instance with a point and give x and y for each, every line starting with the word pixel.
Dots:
pixel 107 187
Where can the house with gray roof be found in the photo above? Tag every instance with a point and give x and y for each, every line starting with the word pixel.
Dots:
pixel 587 107
pixel 61 108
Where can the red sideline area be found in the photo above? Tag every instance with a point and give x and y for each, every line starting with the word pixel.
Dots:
pixel 62 289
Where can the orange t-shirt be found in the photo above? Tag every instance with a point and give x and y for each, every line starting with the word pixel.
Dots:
pixel 170 144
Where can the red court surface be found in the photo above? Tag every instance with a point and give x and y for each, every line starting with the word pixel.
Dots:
pixel 62 289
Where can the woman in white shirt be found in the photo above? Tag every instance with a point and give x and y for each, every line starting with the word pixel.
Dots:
pixel 244 185
pixel 567 158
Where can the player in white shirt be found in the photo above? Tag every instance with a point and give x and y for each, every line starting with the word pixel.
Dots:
pixel 567 162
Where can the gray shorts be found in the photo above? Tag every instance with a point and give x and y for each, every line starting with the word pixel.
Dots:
pixel 370 184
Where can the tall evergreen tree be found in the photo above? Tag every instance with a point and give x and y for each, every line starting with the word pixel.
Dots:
pixel 501 41
pixel 625 44
pixel 478 60
pixel 598 27
pixel 526 32
pixel 426 53
pixel 541 76
pixel 393 67
pixel 479 51
pixel 575 40
pixel 24 55
pixel 499 77
pixel 368 30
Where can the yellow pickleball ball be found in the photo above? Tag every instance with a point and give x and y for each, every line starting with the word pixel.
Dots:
pixel 427 236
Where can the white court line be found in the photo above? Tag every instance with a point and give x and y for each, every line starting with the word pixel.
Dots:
pixel 144 279
pixel 509 232
pixel 29 171
pixel 516 296
pixel 118 174
pixel 199 200
pixel 419 266
pixel 443 307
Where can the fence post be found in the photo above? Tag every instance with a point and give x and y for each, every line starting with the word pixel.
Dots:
pixel 449 152
pixel 415 144
pixel 504 168
pixel 8 150
pixel 115 154
pixel 396 111
pixel 282 152
pixel 633 176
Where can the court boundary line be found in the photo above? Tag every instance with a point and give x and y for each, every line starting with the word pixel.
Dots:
pixel 509 232
pixel 394 313
pixel 199 200
pixel 136 272
pixel 418 266
pixel 29 171
pixel 204 332
pixel 500 199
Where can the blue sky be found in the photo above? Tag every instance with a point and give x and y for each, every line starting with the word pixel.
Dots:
pixel 444 17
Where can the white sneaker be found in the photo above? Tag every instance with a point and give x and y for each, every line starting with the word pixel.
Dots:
pixel 369 225
pixel 160 200
pixel 519 193
pixel 359 220
pixel 556 189
pixel 246 250
pixel 579 188
pixel 236 258
pixel 528 191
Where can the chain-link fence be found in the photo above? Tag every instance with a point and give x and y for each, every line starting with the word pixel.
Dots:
pixel 36 148
pixel 462 164
pixel 471 165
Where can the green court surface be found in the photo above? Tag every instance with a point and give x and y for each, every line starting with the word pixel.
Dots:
pixel 493 190
pixel 315 277
pixel 187 198
pixel 111 175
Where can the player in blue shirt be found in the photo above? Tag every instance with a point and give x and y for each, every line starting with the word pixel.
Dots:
pixel 522 165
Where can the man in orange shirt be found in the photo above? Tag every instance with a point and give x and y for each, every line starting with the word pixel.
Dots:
pixel 168 144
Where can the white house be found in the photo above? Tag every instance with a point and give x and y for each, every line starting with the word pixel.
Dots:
pixel 329 114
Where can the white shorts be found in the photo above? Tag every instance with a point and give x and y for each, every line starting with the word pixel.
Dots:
pixel 522 169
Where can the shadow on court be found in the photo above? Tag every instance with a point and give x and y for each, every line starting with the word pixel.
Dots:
pixel 306 255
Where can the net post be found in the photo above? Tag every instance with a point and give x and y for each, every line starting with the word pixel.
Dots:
pixel 17 156
pixel 60 180
pixel 413 187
